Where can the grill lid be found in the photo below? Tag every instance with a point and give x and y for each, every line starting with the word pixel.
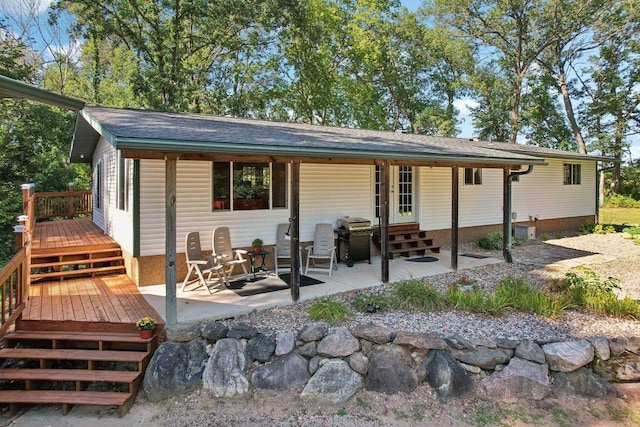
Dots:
pixel 353 224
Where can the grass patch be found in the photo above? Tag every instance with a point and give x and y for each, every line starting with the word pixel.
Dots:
pixel 330 310
pixel 416 295
pixel 372 302
pixel 475 301
pixel 489 415
pixel 524 297
pixel 620 216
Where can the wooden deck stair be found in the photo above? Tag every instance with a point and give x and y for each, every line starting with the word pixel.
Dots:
pixel 77 261
pixel 100 361
pixel 407 239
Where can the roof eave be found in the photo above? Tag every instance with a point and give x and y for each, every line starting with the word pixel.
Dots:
pixel 10 88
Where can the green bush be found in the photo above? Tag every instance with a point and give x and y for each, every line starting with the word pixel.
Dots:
pixel 475 301
pixel 491 242
pixel 585 288
pixel 416 295
pixel 525 297
pixel 330 310
pixel 589 228
pixel 619 201
pixel 631 230
pixel 371 302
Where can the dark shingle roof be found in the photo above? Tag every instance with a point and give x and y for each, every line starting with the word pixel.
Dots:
pixel 198 133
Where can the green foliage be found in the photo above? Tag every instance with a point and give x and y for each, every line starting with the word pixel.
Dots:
pixel 329 309
pixel 632 230
pixel 416 295
pixel 523 296
pixel 491 242
pixel 620 201
pixel 589 228
pixel 475 301
pixel 372 302
pixel 585 288
pixel 619 216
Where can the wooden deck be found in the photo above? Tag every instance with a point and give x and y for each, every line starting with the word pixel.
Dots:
pixel 70 233
pixel 105 303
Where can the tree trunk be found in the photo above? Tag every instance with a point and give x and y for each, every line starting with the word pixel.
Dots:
pixel 515 110
pixel 582 148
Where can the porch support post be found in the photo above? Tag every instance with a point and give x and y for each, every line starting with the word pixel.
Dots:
pixel 455 185
pixel 384 220
pixel 171 307
pixel 294 231
pixel 506 216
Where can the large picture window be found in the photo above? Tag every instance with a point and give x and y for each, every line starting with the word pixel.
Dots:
pixel 572 174
pixel 249 186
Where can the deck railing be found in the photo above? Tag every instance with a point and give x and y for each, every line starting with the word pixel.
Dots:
pixel 63 204
pixel 13 279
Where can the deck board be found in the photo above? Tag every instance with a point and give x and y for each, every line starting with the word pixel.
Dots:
pixel 68 233
pixel 113 299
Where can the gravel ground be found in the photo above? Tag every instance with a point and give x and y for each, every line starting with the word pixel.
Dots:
pixel 608 255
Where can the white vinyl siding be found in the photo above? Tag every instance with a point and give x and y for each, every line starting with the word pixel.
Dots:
pixel 116 223
pixel 542 193
pixel 435 199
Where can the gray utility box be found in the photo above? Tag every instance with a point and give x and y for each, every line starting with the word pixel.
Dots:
pixel 525 232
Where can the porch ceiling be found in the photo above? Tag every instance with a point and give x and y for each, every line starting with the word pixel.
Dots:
pixel 149 134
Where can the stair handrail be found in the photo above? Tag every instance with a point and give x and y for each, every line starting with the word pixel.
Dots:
pixel 15 288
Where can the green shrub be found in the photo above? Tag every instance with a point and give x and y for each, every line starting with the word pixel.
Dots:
pixel 491 242
pixel 619 201
pixel 414 294
pixel 631 230
pixel 597 229
pixel 330 310
pixel 525 297
pixel 371 302
pixel 475 301
pixel 586 289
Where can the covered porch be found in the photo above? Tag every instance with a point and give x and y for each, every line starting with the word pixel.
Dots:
pixel 195 305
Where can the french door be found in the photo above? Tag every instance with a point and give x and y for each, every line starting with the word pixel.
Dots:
pixel 402 197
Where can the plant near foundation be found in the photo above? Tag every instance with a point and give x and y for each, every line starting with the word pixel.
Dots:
pixel 491 242
pixel 330 310
pixel 416 295
pixel 371 302
pixel 523 296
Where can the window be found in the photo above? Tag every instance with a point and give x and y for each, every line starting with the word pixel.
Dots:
pixel 124 180
pixel 249 186
pixel 472 176
pixel 97 183
pixel 572 174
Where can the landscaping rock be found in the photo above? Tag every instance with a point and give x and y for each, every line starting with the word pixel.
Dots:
pixel 288 372
pixel 309 349
pixel 568 356
pixel 420 340
pixel 314 364
pixel 213 331
pixel 520 379
pixel 334 382
pixel 359 363
pixel 483 342
pixel 529 350
pixel 224 372
pixel 633 345
pixel 601 347
pixel 285 343
pixel 374 333
pixel 622 369
pixel 313 332
pixel 459 342
pixel 618 346
pixel 581 382
pixel 175 368
pixel 242 330
pixel 391 370
pixel 339 343
pixel 446 376
pixel 510 343
pixel 485 358
pixel 471 369
pixel 261 347
pixel 183 332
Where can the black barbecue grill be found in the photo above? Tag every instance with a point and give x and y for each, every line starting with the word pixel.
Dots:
pixel 356 234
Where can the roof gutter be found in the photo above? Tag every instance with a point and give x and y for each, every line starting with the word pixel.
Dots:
pixel 506 222
pixel 10 88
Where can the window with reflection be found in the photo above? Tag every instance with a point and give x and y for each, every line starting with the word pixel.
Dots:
pixel 249 186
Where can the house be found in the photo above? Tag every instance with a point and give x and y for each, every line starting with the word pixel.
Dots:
pixel 158 171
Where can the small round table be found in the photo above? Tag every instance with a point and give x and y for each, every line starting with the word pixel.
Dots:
pixel 262 267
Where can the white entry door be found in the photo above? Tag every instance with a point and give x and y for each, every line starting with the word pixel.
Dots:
pixel 402 197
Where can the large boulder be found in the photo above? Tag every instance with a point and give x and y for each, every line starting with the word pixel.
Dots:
pixel 529 350
pixel 339 343
pixel 445 375
pixel 213 330
pixel 334 382
pixel 224 373
pixel 567 356
pixel 485 358
pixel 374 333
pixel 285 343
pixel 520 379
pixel 261 347
pixel 242 330
pixel 288 372
pixel 420 340
pixel 175 368
pixel 601 347
pixel 581 382
pixel 391 370
pixel 183 332
pixel 621 369
pixel 313 332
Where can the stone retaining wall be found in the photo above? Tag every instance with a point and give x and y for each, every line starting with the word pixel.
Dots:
pixel 332 365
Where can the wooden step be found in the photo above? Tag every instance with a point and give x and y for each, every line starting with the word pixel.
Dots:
pixel 99 340
pixel 67 398
pixel 71 250
pixel 77 262
pixel 79 272
pixel 80 376
pixel 90 356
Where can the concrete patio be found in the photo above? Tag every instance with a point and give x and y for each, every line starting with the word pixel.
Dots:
pixel 200 304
